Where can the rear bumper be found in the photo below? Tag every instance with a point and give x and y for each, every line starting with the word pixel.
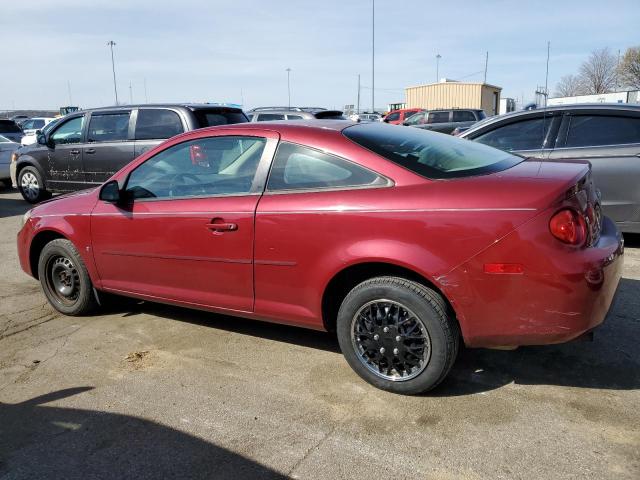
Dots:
pixel 563 293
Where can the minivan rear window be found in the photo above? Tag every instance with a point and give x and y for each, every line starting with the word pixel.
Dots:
pixel 9 126
pixel 431 155
pixel 213 117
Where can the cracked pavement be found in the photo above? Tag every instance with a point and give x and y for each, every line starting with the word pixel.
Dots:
pixel 146 391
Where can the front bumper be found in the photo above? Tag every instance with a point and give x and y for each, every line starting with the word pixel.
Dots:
pixel 563 293
pixel 12 174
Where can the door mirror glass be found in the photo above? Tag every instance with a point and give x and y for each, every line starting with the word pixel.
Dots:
pixel 110 192
pixel 42 139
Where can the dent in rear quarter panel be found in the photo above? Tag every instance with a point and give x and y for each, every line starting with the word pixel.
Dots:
pixel 304 239
pixel 563 292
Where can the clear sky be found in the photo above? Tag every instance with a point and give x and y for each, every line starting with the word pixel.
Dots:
pixel 237 51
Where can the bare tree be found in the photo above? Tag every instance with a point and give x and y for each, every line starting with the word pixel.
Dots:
pixel 629 70
pixel 598 72
pixel 569 86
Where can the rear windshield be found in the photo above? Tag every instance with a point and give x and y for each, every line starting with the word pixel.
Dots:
pixel 9 126
pixel 431 155
pixel 213 117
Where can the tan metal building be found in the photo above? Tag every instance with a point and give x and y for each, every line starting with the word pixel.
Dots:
pixel 449 94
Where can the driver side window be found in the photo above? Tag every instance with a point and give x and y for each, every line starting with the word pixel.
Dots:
pixel 201 167
pixel 69 132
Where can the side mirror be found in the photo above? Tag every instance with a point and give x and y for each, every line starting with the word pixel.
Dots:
pixel 385 120
pixel 110 192
pixel 405 123
pixel 42 139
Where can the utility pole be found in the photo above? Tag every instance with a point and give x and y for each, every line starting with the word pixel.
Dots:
pixel 546 78
pixel 358 103
pixel 111 44
pixel 438 57
pixel 373 56
pixel 146 98
pixel 130 93
pixel 69 91
pixel 486 64
pixel 289 87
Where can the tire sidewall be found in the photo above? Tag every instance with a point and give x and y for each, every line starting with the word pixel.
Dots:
pixel 42 192
pixel 85 298
pixel 438 364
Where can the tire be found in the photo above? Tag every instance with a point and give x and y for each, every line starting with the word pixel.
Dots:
pixel 398 335
pixel 64 278
pixel 31 185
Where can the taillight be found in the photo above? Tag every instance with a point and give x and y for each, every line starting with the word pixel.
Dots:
pixel 568 226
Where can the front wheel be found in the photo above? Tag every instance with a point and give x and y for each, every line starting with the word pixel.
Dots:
pixel 64 278
pixel 397 334
pixel 31 185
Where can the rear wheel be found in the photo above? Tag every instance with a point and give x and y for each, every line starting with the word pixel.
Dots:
pixel 398 335
pixel 64 278
pixel 31 185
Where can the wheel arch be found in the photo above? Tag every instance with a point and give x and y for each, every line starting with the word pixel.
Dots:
pixel 37 244
pixel 30 162
pixel 346 279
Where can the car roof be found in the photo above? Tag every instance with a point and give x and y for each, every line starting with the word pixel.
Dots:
pixel 623 107
pixel 190 106
pixel 283 126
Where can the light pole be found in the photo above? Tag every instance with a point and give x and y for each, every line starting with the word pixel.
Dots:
pixel 289 87
pixel 111 44
pixel 438 57
pixel 373 56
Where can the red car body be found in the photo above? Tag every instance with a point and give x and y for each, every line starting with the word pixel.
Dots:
pixel 396 117
pixel 291 251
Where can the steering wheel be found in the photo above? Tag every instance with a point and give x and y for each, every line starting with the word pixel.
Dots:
pixel 178 178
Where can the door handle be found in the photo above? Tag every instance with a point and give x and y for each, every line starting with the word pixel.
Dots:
pixel 221 226
pixel 90 150
pixel 74 152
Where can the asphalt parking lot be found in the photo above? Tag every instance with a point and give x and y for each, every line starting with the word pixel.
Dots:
pixel 151 391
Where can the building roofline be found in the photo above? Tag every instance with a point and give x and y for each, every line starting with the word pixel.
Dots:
pixel 454 83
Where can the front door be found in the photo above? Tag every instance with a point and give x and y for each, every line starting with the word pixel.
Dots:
pixel 109 145
pixel 64 156
pixel 187 232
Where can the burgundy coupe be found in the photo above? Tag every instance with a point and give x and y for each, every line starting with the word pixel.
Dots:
pixel 402 241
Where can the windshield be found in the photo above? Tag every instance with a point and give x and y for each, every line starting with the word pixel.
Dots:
pixel 431 155
pixel 9 126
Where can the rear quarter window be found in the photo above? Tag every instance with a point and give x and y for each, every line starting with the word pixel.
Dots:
pixel 213 117
pixel 431 155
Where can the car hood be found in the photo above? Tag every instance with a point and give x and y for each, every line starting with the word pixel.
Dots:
pixel 74 203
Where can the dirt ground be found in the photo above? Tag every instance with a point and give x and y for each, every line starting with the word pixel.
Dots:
pixel 151 391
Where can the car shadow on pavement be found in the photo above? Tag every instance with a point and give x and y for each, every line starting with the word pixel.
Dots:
pixel 10 207
pixel 40 441
pixel 611 361
pixel 271 331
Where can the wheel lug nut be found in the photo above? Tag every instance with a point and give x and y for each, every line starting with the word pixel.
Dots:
pixel 385 329
pixel 382 350
pixel 376 337
pixel 396 351
pixel 398 338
